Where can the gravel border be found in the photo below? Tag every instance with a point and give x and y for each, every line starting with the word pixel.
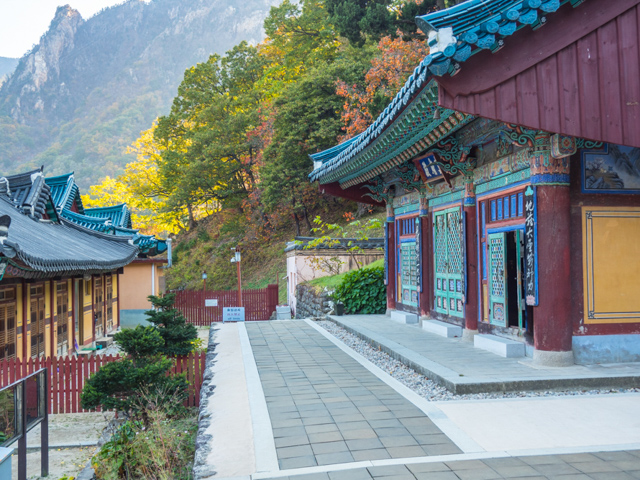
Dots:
pixel 427 388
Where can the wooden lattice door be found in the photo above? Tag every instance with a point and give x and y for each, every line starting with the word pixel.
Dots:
pixel 408 252
pixel 37 321
pixel 497 279
pixel 449 262
pixel 62 318
pixel 7 324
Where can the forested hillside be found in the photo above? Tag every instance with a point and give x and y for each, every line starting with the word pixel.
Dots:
pixel 229 164
pixel 81 96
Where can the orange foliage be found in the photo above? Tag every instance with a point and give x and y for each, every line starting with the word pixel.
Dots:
pixel 388 73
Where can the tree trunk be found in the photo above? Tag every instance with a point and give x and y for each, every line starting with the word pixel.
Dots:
pixel 192 221
pixel 295 216
pixel 297 220
pixel 306 219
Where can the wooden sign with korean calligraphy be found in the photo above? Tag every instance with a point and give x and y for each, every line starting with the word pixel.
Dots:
pixel 530 247
pixel 419 253
pixel 386 253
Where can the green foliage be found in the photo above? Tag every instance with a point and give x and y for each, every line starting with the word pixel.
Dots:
pixel 363 291
pixel 358 19
pixel 140 342
pixel 117 384
pixel 162 447
pixel 176 333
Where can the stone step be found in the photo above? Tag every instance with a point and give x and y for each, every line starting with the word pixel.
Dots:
pixel 404 317
pixel 442 328
pixel 500 346
pixel 104 342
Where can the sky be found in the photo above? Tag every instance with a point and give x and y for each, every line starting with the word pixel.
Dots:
pixel 22 22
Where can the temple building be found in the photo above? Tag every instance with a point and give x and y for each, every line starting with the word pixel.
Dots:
pixel 61 266
pixel 509 164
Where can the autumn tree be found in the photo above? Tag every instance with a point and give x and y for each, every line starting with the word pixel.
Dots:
pixel 388 72
pixel 207 156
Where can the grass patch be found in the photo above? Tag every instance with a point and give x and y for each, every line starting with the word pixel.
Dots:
pixel 333 281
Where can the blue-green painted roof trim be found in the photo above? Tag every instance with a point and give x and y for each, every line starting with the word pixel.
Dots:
pixel 119 215
pixel 64 192
pixel 454 35
pixel 103 225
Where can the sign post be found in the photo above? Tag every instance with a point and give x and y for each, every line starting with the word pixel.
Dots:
pixel 233 314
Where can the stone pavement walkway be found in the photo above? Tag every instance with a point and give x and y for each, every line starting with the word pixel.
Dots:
pixel 318 410
pixel 325 408
pixel 460 367
pixel 621 465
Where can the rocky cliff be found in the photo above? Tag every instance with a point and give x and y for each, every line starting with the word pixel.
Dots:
pixel 84 93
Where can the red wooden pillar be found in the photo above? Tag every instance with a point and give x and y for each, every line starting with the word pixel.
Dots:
pixel 552 326
pixel 471 306
pixel 391 258
pixel 426 262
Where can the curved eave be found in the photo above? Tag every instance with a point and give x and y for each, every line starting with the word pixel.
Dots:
pixel 455 34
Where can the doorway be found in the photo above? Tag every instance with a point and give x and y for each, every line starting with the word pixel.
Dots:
pixel 507 306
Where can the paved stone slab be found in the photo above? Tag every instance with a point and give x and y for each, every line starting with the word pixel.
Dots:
pixel 369 421
pixel 588 466
pixel 460 367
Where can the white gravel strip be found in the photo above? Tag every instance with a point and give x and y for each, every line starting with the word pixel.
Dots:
pixel 427 388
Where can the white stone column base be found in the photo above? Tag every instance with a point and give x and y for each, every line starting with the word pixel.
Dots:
pixel 467 335
pixel 553 359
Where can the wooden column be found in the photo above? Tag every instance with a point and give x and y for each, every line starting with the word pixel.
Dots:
pixel 391 257
pixel 552 326
pixel 471 243
pixel 426 262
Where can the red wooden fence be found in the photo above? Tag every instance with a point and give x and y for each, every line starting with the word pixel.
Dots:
pixel 258 304
pixel 67 376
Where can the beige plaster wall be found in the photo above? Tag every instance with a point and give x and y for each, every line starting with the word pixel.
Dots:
pixel 138 281
pixel 301 268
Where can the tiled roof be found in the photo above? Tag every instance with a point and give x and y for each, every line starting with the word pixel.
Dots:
pixel 30 194
pixel 454 35
pixel 148 244
pixel 64 192
pixel 64 248
pixel 371 244
pixel 119 215
pixel 92 223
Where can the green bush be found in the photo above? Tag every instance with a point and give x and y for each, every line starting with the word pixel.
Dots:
pixel 161 447
pixel 363 291
pixel 178 335
pixel 117 385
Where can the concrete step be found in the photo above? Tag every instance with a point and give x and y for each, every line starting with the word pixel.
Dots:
pixel 442 328
pixel 404 317
pixel 500 346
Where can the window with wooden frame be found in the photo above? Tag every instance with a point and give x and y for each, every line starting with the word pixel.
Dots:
pixel 62 316
pixel 109 295
pixel 8 323
pixel 37 317
pixel 87 288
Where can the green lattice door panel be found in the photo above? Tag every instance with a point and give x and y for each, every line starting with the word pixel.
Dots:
pixel 409 273
pixel 497 279
pixel 449 262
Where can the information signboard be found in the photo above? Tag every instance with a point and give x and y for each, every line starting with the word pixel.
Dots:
pixel 233 314
pixel 210 302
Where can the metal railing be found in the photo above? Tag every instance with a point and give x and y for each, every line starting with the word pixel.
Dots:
pixel 23 405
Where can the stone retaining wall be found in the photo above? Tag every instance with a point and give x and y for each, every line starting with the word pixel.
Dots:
pixel 313 302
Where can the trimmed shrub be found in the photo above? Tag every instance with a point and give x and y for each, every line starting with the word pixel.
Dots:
pixel 363 291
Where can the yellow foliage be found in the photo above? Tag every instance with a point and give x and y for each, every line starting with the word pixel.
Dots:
pixel 140 188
